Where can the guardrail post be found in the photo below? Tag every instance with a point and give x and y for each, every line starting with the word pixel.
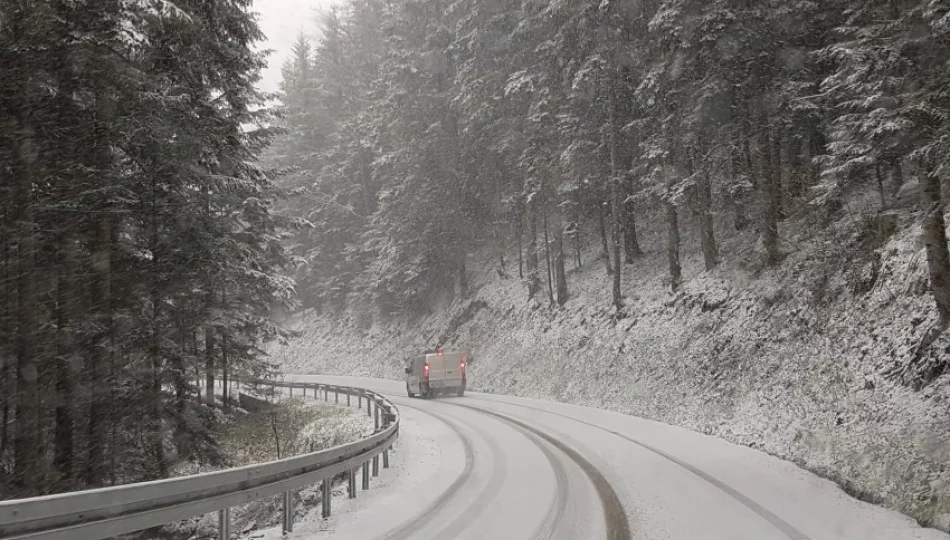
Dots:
pixel 326 394
pixel 351 483
pixel 99 512
pixel 359 402
pixel 336 396
pixel 224 524
pixel 387 421
pixel 288 521
pixel 347 399
pixel 291 388
pixel 327 496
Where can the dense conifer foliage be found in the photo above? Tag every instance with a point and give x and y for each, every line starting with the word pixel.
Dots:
pixel 139 253
pixel 422 131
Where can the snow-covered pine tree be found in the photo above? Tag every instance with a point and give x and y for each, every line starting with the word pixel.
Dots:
pixel 890 88
pixel 136 185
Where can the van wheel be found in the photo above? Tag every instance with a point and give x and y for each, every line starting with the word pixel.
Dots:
pixel 408 391
pixel 425 392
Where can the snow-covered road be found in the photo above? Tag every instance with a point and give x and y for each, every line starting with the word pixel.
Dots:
pixel 495 467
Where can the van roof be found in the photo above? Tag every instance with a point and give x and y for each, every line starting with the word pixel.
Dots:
pixel 428 355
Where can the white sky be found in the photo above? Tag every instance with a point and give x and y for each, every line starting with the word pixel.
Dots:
pixel 281 21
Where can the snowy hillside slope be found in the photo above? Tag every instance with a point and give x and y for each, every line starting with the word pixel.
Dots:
pixel 801 361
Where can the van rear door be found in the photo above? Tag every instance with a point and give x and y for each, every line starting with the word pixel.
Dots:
pixel 436 370
pixel 453 370
pixel 444 370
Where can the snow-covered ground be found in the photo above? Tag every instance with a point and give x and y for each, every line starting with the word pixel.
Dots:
pixel 463 470
pixel 791 361
pixel 305 425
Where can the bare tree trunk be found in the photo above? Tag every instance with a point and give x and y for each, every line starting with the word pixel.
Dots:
pixel 46 385
pixel 631 243
pixel 601 211
pixel 744 139
pixel 813 150
pixel 747 156
pixel 547 251
pixel 770 214
pixel 707 229
pixel 180 382
pixel 615 175
pixel 534 280
pixel 6 384
pixel 935 240
pixel 225 371
pixel 501 254
pixel 795 184
pixel 520 240
pixel 63 439
pixel 101 357
pixel 113 426
pixel 209 365
pixel 879 176
pixel 462 272
pixel 577 237
pixel 28 470
pixel 777 171
pixel 497 224
pixel 7 377
pixel 897 178
pixel 194 354
pixel 560 273
pixel 520 260
pixel 740 220
pixel 156 421
pixel 673 245
pixel 9 392
pixel 369 199
pixel 577 249
pixel 273 425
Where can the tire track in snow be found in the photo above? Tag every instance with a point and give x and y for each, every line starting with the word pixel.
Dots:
pixel 550 526
pixel 408 529
pixel 785 527
pixel 615 516
pixel 486 496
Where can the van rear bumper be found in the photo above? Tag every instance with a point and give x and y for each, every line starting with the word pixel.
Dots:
pixel 447 383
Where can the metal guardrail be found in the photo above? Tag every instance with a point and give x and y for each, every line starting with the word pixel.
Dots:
pixel 98 514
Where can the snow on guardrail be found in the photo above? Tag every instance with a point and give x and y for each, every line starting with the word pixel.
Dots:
pixel 97 514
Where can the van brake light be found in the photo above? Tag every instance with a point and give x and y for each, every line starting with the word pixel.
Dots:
pixel 425 370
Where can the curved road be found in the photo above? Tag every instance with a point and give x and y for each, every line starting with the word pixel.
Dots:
pixel 488 467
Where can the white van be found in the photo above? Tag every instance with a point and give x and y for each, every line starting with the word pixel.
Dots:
pixel 428 375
